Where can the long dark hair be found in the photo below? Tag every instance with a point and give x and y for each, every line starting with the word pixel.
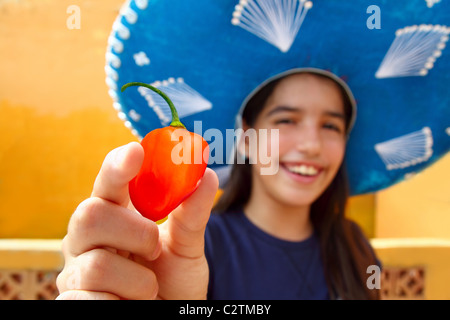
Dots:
pixel 345 252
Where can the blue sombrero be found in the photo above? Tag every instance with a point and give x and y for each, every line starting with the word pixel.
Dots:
pixel 209 55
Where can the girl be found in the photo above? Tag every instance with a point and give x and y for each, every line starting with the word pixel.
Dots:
pixel 277 236
pixel 285 236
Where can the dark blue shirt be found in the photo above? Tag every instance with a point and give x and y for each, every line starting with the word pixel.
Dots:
pixel 247 263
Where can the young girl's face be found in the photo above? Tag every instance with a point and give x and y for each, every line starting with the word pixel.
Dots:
pixel 308 111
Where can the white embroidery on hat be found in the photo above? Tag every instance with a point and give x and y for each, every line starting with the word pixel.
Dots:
pixel 111 73
pixel 116 46
pixel 414 51
pixel 274 21
pixel 407 150
pixel 129 14
pixel 142 4
pixel 431 3
pixel 122 31
pixel 141 59
pixel 111 83
pixel 409 175
pixel 114 43
pixel 113 60
pixel 134 115
pixel 186 100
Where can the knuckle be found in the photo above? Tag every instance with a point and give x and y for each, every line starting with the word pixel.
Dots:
pixel 87 215
pixel 95 268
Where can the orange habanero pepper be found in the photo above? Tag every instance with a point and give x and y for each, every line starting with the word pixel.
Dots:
pixel 164 182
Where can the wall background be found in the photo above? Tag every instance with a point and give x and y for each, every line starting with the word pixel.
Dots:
pixel 419 207
pixel 56 117
pixel 57 124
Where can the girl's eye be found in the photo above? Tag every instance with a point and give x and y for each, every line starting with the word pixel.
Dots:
pixel 284 121
pixel 332 126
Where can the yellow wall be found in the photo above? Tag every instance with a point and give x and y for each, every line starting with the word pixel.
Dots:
pixel 56 118
pixel 419 207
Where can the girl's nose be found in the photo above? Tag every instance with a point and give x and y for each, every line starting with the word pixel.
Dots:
pixel 308 141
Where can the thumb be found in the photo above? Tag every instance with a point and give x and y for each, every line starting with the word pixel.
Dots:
pixel 186 224
pixel 118 168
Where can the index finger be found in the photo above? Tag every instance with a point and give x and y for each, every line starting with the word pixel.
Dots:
pixel 119 167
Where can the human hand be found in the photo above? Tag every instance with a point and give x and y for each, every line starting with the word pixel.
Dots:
pixel 112 252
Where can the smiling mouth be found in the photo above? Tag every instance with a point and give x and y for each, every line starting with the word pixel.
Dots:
pixel 303 170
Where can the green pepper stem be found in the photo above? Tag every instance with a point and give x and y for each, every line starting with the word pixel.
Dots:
pixel 175 119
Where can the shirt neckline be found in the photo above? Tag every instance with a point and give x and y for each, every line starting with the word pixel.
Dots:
pixel 273 240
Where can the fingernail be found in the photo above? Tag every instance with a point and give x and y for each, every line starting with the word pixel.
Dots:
pixel 119 156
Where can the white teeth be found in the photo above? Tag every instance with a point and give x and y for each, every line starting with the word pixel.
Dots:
pixel 304 170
